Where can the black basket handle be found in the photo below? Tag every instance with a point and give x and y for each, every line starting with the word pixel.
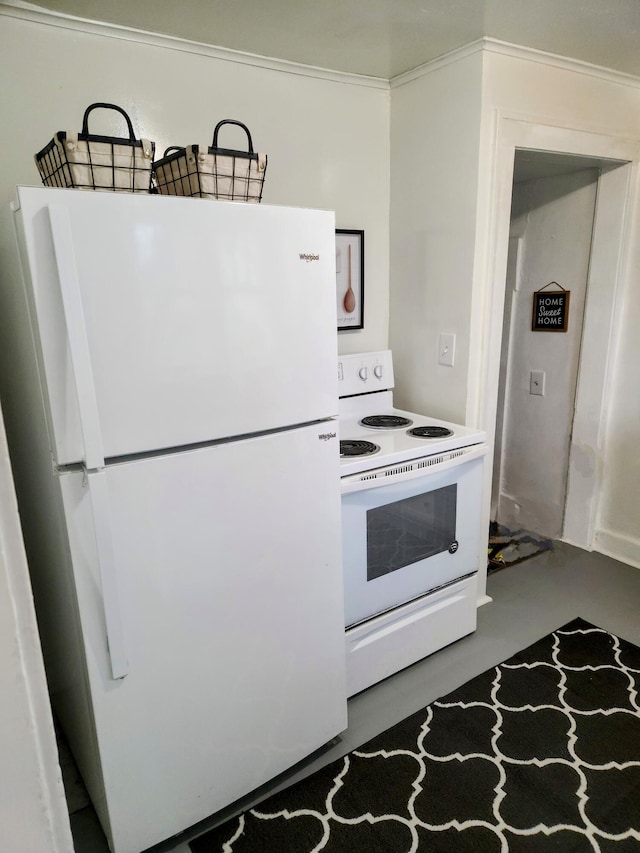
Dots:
pixel 239 124
pixel 171 148
pixel 85 120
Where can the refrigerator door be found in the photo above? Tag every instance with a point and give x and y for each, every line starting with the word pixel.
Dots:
pixel 229 594
pixel 164 322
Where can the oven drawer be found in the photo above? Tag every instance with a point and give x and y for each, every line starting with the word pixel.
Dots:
pixel 392 641
pixel 410 533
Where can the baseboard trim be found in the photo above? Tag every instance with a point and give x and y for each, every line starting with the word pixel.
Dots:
pixel 626 549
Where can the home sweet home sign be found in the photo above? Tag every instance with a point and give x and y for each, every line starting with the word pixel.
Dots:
pixel 550 309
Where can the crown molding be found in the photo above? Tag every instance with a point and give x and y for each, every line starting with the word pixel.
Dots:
pixel 450 58
pixel 37 15
pixel 564 62
pixel 515 51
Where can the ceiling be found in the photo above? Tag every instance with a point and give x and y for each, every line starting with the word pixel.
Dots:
pixel 381 38
pixel 533 165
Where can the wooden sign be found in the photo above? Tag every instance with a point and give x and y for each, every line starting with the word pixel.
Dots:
pixel 550 309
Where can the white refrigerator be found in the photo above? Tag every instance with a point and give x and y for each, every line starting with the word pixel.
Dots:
pixel 177 467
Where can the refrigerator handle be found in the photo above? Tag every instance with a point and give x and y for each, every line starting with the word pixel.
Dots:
pixel 77 335
pixel 99 494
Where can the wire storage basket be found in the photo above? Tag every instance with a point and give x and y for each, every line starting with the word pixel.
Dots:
pixel 214 172
pixel 91 162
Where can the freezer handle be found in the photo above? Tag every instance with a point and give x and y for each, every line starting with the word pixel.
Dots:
pixel 99 494
pixel 77 335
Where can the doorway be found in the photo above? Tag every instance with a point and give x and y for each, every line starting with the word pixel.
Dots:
pixel 610 245
pixel 552 217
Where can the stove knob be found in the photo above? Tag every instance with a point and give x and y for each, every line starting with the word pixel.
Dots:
pixel 363 373
pixel 378 370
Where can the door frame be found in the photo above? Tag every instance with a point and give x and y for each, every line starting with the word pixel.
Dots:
pixel 608 270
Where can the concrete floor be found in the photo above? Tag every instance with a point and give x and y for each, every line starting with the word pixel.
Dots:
pixel 530 599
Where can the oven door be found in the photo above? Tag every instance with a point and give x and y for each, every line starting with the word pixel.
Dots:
pixel 410 528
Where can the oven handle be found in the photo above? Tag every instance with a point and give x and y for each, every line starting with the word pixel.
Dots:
pixel 355 483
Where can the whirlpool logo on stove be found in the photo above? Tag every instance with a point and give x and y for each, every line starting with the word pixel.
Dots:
pixel 308 257
pixel 326 436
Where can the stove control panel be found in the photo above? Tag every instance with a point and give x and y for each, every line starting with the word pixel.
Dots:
pixel 364 373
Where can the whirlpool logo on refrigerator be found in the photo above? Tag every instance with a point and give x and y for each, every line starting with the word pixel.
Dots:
pixel 308 257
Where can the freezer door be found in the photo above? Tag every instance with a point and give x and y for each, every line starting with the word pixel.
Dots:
pixel 163 322
pixel 230 603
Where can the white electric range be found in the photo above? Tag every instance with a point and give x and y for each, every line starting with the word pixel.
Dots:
pixel 411 510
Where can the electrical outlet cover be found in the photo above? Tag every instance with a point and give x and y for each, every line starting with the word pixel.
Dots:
pixel 447 349
pixel 536 382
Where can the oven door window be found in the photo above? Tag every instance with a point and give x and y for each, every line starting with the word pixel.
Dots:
pixel 409 530
pixel 402 539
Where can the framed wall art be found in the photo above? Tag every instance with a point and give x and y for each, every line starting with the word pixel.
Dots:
pixel 550 309
pixel 350 279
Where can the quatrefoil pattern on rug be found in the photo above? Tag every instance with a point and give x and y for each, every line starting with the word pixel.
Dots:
pixel 539 754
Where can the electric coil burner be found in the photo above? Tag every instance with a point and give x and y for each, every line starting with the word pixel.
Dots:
pixel 411 524
pixel 430 431
pixel 350 448
pixel 385 422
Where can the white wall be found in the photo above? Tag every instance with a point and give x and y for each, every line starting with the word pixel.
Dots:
pixel 327 136
pixel 618 522
pixel 33 813
pixel 554 219
pixel 435 136
pixel 596 114
pixel 451 179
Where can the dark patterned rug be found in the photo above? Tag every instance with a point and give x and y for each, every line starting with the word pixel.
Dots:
pixel 539 754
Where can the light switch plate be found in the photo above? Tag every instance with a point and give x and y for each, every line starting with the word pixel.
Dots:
pixel 447 349
pixel 536 382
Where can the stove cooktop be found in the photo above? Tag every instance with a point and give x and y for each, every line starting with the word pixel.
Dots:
pixel 366 414
pixel 424 436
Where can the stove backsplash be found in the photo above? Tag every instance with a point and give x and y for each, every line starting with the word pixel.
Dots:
pixel 365 373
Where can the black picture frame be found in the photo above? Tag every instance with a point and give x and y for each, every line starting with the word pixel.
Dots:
pixel 550 311
pixel 350 279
